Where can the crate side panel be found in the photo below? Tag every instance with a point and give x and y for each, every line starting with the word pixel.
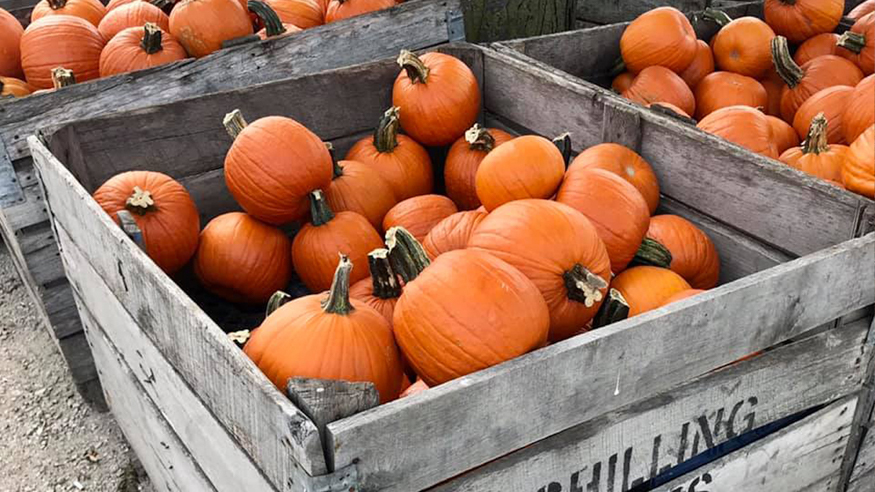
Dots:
pixel 863 475
pixel 613 11
pixel 491 20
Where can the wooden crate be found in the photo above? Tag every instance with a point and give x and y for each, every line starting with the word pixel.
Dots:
pixel 620 405
pixel 20 9
pixel 24 223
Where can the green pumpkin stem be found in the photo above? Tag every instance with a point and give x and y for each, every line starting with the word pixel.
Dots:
pixel 337 301
pixel 817 139
pixel 57 4
pixel 276 301
pixel 614 309
pixel 416 70
pixel 406 255
pixel 790 72
pixel 479 138
pixel 719 17
pixel 852 41
pixel 151 39
pixel 234 123
pixel 386 134
pixel 652 253
pixel 62 77
pixel 273 25
pixel 382 275
pixel 140 202
pixel 320 212
pixel 336 168
pixel 618 68
pixel 584 286
pixel 563 143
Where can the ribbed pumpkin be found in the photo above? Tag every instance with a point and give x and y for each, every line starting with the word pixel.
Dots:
pixel 400 160
pixel 785 135
pixel 138 48
pixel 858 43
pixel 134 14
pixel 344 9
pixel 684 294
pixel 419 214
pixel 625 163
pixel 381 289
pixel 449 325
pixel 663 107
pixel 463 160
pixel 862 9
pixel 615 207
pixel 859 170
pixel 622 82
pixel 359 188
pixel 798 20
pixel 820 45
pixel 774 87
pixel 742 46
pixel 10 42
pixel 816 156
pixel 89 10
pixel 648 287
pixel 273 165
pixel 11 87
pixel 331 337
pixel 162 209
pixel 832 103
pixel 861 114
pixel 559 250
pixel 702 65
pixel 114 4
pixel 744 126
pixel 202 25
pixel 302 13
pixel 659 84
pixel 524 167
pixel 267 17
pixel 438 97
pixel 693 255
pixel 452 233
pixel 724 89
pixel 60 41
pixel 662 36
pixel 317 244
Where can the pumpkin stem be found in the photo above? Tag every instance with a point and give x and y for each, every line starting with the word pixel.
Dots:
pixel 386 134
pixel 57 4
pixel 140 201
pixel 789 71
pixel 479 138
pixel 240 337
pixel 816 141
pixel 584 286
pixel 563 143
pixel 382 275
pixel 652 253
pixel 416 70
pixel 338 297
pixel 852 41
pixel 789 2
pixel 151 39
pixel 719 17
pixel 61 77
pixel 276 301
pixel 618 68
pixel 320 212
pixel 336 168
pixel 234 123
pixel 406 255
pixel 614 309
pixel 163 4
pixel 273 25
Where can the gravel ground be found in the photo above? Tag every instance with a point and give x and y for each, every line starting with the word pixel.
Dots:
pixel 50 440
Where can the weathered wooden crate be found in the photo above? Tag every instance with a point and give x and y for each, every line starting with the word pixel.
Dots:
pixel 23 220
pixel 20 9
pixel 615 407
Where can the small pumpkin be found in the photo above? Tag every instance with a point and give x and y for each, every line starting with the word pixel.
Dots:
pixel 317 244
pixel 438 97
pixel 646 287
pixel 743 126
pixel 693 256
pixel 662 36
pixel 742 46
pixel 832 103
pixel 820 45
pixel 419 214
pixel 400 160
pixel 816 156
pixel 622 82
pixel 202 25
pixel 861 114
pixel 331 337
pixel 163 210
pixel 862 9
pixel 138 48
pixel 273 25
pixel 625 163
pixel 798 20
pixel 302 13
pixel 10 45
pixel 463 160
pixel 273 165
pixel 344 9
pixel 134 14
pixel 89 10
pixel 452 233
pixel 40 52
pixel 723 89
pixel 785 135
pixel 382 289
pixel 684 294
pixel 659 84
pixel 359 188
pixel 859 169
pixel 702 65
pixel 615 207
pixel 524 167
pixel 858 43
pixel 11 87
pixel 774 87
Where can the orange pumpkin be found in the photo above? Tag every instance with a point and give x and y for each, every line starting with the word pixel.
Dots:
pixel 419 214
pixel 816 156
pixel 798 20
pixel 138 48
pixel 693 255
pixel 774 87
pixel 659 84
pixel 861 114
pixel 90 10
pixel 418 387
pixel 331 337
pixel 648 287
pixel 114 4
pixel 163 210
pixel 317 244
pixel 662 36
pixel 702 65
pixel 744 126
pixel 625 163
pixel 862 9
pixel 267 17
pixel 272 167
pixel 743 46
pixel 463 160
pixel 10 87
pixel 438 97
pixel 78 49
pixel 344 9
pixel 452 233
pixel 10 42
pixel 785 135
pixel 402 162
pixel 820 45
pixel 524 167
pixel 615 207
pixel 202 25
pixel 859 169
pixel 622 82
pixel 723 89
pixel 559 250
pixel 381 290
pixel 134 14
pixel 664 106
pixel 359 188
pixel 684 294
pixel 831 102
pixel 302 13
pixel 859 43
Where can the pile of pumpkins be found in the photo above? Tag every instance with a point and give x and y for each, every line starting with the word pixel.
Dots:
pixel 525 248
pixel 90 40
pixel 814 110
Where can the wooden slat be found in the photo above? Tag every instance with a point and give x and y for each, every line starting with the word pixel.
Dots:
pixel 78 356
pixel 494 20
pixel 638 442
pixel 30 212
pixel 613 11
pixel 863 475
pixel 60 308
pixel 35 238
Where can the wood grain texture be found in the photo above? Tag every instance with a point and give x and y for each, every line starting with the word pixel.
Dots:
pixel 613 11
pixel 624 448
pixel 495 20
pixel 863 474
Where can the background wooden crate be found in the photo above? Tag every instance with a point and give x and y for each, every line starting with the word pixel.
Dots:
pixel 637 397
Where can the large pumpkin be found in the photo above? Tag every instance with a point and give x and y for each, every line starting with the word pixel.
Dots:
pixel 659 84
pixel 381 290
pixel 359 188
pixel 400 160
pixel 302 13
pixel 419 214
pixel 331 337
pixel 452 233
pixel 832 103
pixel 859 43
pixel 862 9
pixel 861 114
pixel 785 135
pixel 438 97
pixel 693 255
pixel 138 48
pixel 134 14
pixel 463 160
pixel 820 45
pixel 744 126
pixel 662 36
pixel 798 20
pixel 817 156
pixel 648 287
pixel 344 9
pixel 559 250
pixel 11 87
pixel 723 89
pixel 625 163
pixel 273 165
pixel 162 209
pixel 859 169
pixel 615 207
pixel 317 244
pixel 524 167
pixel 202 25
pixel 622 82
pixel 742 47
pixel 267 17
pixel 89 10
pixel 10 42
pixel 60 41
pixel 702 65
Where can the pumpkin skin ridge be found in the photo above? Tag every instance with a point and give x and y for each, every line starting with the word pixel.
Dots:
pixel 92 11
pixel 702 65
pixel 861 114
pixel 124 53
pixel 134 14
pixel 10 86
pixel 524 167
pixel 10 46
pixel 824 71
pixel 784 134
pixel 745 122
pixel 803 19
pixel 302 13
pixel 687 244
pixel 858 172
pixel 865 59
pixel 56 30
pixel 193 23
pixel 375 202
pixel 420 214
pixel 636 38
pixel 751 60
pixel 659 84
pixel 831 101
pixel 633 275
pixel 732 90
pixel 452 233
pixel 597 155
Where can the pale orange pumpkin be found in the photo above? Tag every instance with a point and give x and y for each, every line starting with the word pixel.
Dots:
pixel 359 188
pixel 723 89
pixel 622 82
pixel 662 36
pixel 525 167
pixel 693 255
pixel 90 10
pixel 452 233
pixel 785 135
pixel 60 41
pixel 202 25
pixel 744 126
pixel 817 156
pixel 659 84
pixel 11 87
pixel 134 14
pixel 820 45
pixel 648 287
pixel 463 160
pixel 625 163
pixel 832 103
pixel 743 46
pixel 10 45
pixel 859 170
pixel 861 113
pixel 798 20
pixel 419 214
pixel 138 48
pixel 702 65
pixel 774 87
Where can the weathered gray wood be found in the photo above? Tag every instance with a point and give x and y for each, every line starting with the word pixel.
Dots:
pixel 10 187
pixel 613 11
pixel 865 413
pixel 78 356
pixel 60 308
pixel 35 238
pixel 30 212
pixel 863 474
pixel 805 456
pixel 494 20
pixel 623 448
pixel 621 125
